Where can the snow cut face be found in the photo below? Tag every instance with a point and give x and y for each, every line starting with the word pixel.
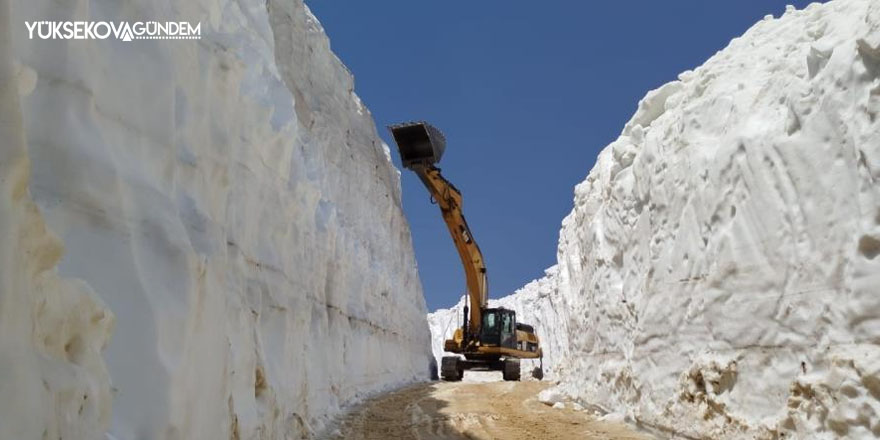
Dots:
pixel 229 202
pixel 719 271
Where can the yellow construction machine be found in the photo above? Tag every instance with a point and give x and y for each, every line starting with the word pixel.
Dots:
pixel 489 339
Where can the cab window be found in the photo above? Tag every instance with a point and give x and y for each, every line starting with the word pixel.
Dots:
pixel 490 323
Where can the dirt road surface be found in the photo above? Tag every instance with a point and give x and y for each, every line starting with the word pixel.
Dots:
pixel 462 410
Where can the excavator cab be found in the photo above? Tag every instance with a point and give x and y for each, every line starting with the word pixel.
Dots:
pixel 498 328
pixel 419 143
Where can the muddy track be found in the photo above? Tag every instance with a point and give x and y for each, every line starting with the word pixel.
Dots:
pixel 492 410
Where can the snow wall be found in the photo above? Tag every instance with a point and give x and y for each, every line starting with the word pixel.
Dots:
pixel 201 239
pixel 720 271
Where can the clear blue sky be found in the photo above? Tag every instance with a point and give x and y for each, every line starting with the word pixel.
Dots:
pixel 527 94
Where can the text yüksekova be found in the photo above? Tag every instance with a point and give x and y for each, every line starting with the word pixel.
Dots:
pixel 123 30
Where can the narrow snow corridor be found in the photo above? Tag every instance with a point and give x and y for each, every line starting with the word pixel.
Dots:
pixel 205 239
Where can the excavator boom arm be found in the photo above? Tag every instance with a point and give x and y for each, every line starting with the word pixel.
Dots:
pixel 502 344
pixel 421 146
pixel 448 198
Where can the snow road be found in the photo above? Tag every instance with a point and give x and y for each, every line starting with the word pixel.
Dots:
pixel 473 410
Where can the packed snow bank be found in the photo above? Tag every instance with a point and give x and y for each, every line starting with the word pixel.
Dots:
pixel 536 303
pixel 227 199
pixel 53 380
pixel 720 268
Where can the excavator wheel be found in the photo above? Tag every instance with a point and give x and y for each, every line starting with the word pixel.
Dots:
pixel 449 370
pixel 511 370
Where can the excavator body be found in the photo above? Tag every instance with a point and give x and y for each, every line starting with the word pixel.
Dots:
pixel 489 338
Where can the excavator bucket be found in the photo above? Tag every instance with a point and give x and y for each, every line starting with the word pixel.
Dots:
pixel 419 143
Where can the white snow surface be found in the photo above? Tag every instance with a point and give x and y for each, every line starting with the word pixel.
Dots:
pixel 720 270
pixel 225 203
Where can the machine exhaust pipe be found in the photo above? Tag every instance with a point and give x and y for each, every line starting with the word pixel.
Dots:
pixel 464 324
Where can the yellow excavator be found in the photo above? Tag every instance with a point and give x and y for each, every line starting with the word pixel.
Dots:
pixel 490 339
